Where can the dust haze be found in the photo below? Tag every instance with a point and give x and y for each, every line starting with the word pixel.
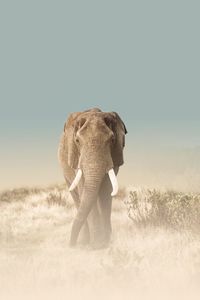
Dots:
pixel 152 165
pixel 154 252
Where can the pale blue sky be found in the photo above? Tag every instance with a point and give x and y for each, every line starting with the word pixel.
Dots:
pixel 139 58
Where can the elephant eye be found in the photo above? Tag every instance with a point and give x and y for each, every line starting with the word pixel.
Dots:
pixel 76 139
pixel 112 139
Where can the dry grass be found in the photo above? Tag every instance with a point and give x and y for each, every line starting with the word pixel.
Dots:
pixel 168 209
pixel 151 261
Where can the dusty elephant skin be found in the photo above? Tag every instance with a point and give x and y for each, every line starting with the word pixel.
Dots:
pixel 90 153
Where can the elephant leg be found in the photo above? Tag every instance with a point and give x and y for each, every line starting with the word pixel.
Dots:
pixel 105 203
pixel 85 233
pixel 95 225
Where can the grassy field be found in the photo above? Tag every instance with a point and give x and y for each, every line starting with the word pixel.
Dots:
pixel 154 253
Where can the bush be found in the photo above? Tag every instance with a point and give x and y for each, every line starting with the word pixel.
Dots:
pixel 171 209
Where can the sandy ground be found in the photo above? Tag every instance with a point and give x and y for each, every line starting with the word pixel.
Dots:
pixel 140 263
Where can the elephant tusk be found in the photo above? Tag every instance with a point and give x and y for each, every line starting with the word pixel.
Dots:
pixel 114 182
pixel 76 180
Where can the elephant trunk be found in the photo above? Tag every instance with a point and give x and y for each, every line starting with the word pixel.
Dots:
pixel 88 198
pixel 112 177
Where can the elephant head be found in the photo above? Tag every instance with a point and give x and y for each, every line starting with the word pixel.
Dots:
pixel 94 147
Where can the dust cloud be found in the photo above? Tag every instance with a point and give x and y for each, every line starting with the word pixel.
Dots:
pixel 142 262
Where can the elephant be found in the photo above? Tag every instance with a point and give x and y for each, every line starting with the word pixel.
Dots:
pixel 90 154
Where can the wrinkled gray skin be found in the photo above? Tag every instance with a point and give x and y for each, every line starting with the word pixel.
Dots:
pixel 93 141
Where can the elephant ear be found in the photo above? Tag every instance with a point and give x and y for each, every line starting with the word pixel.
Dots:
pixel 119 129
pixel 69 133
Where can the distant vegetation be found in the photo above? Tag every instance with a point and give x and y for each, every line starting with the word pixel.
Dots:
pixel 172 209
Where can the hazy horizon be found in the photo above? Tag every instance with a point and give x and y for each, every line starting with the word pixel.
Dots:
pixel 150 165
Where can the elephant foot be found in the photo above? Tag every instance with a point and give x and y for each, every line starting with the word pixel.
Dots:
pixel 100 245
pixel 71 245
pixel 85 240
pixel 93 246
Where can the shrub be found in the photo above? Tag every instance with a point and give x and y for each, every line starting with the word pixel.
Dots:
pixel 170 208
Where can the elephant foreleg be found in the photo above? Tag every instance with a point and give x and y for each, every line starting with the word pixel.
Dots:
pixel 85 233
pixel 95 225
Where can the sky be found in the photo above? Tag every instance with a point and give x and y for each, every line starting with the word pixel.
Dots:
pixel 138 58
